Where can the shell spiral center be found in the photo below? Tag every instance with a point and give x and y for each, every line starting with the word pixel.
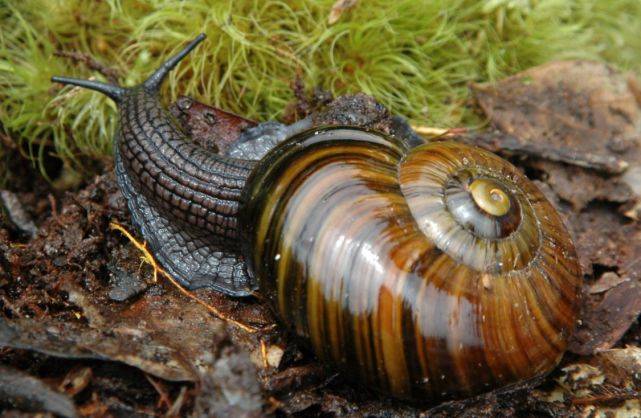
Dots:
pixel 473 205
pixel 484 206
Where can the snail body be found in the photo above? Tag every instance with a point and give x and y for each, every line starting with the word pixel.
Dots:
pixel 429 272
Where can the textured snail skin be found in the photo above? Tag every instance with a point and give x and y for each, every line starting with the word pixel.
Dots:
pixel 183 198
pixel 344 241
pixel 427 272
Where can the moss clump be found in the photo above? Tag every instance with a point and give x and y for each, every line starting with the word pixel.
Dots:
pixel 416 57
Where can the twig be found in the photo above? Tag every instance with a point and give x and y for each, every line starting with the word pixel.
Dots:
pixel 163 395
pixel 174 410
pixel 7 141
pixel 110 73
pixel 53 205
pixel 432 131
pixel 263 352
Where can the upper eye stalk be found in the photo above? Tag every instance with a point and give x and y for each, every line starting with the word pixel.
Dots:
pixel 152 83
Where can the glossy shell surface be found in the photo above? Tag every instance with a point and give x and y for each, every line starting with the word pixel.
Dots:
pixel 386 261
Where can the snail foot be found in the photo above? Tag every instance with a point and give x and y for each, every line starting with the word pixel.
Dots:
pixel 188 254
pixel 148 258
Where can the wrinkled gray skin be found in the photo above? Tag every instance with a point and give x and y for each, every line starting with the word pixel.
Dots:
pixel 185 199
pixel 255 142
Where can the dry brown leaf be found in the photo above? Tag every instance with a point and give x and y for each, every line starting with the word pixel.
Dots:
pixel 582 112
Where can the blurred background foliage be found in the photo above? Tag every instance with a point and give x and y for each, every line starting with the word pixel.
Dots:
pixel 417 57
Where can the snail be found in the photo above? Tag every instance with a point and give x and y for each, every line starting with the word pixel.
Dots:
pixel 427 272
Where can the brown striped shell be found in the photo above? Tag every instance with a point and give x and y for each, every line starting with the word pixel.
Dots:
pixel 432 273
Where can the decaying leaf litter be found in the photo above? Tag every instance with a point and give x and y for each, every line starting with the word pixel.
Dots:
pixel 90 332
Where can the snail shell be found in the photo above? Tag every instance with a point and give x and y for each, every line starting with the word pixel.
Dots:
pixel 436 272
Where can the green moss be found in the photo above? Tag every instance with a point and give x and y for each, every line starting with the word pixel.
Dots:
pixel 416 57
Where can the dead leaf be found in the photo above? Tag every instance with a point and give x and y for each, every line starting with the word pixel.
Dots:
pixel 581 186
pixel 164 335
pixel 606 282
pixel 603 325
pixel 579 112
